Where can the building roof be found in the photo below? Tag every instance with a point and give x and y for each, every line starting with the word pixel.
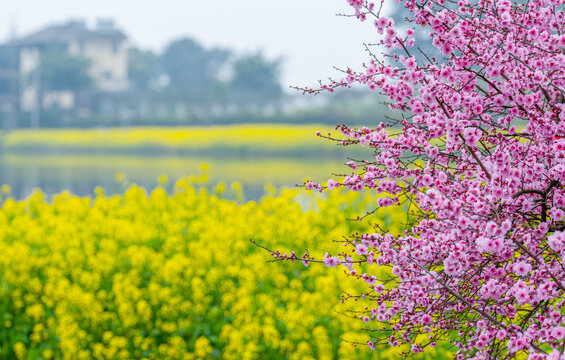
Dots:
pixel 72 30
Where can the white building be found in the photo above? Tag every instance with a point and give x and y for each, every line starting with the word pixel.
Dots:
pixel 105 47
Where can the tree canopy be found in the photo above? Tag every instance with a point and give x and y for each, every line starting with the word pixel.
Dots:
pixel 192 69
pixel 61 71
pixel 256 79
pixel 205 76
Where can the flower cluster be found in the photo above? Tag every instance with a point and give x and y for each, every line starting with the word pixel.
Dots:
pixel 477 153
pixel 160 276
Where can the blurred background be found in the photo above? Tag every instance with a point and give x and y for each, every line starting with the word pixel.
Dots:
pixel 106 93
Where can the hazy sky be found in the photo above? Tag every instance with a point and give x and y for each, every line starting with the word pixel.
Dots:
pixel 305 32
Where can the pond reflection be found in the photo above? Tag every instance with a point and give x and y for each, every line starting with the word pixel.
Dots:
pixel 80 174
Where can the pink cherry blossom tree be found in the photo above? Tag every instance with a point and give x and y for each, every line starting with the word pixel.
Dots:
pixel 477 156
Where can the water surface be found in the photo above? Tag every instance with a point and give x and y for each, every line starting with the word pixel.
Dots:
pixel 81 174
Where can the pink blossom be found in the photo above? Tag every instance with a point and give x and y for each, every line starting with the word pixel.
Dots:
pixel 361 249
pixel 521 293
pixel 522 268
pixel 331 261
pixel 555 355
pixel 305 258
pixel 558 332
pixel 556 241
pixel 483 243
pixel 556 214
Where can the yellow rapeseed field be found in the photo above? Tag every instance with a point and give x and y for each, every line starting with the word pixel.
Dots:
pixel 243 138
pixel 174 276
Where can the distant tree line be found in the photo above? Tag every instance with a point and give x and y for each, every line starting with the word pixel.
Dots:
pixel 187 71
pixel 185 83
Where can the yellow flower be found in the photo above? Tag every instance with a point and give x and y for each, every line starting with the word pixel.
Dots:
pixel 20 350
pixel 202 347
pixel 120 177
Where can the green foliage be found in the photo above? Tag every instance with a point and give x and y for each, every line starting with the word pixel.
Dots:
pixel 256 80
pixel 143 68
pixel 64 72
pixel 198 75
pixel 191 69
